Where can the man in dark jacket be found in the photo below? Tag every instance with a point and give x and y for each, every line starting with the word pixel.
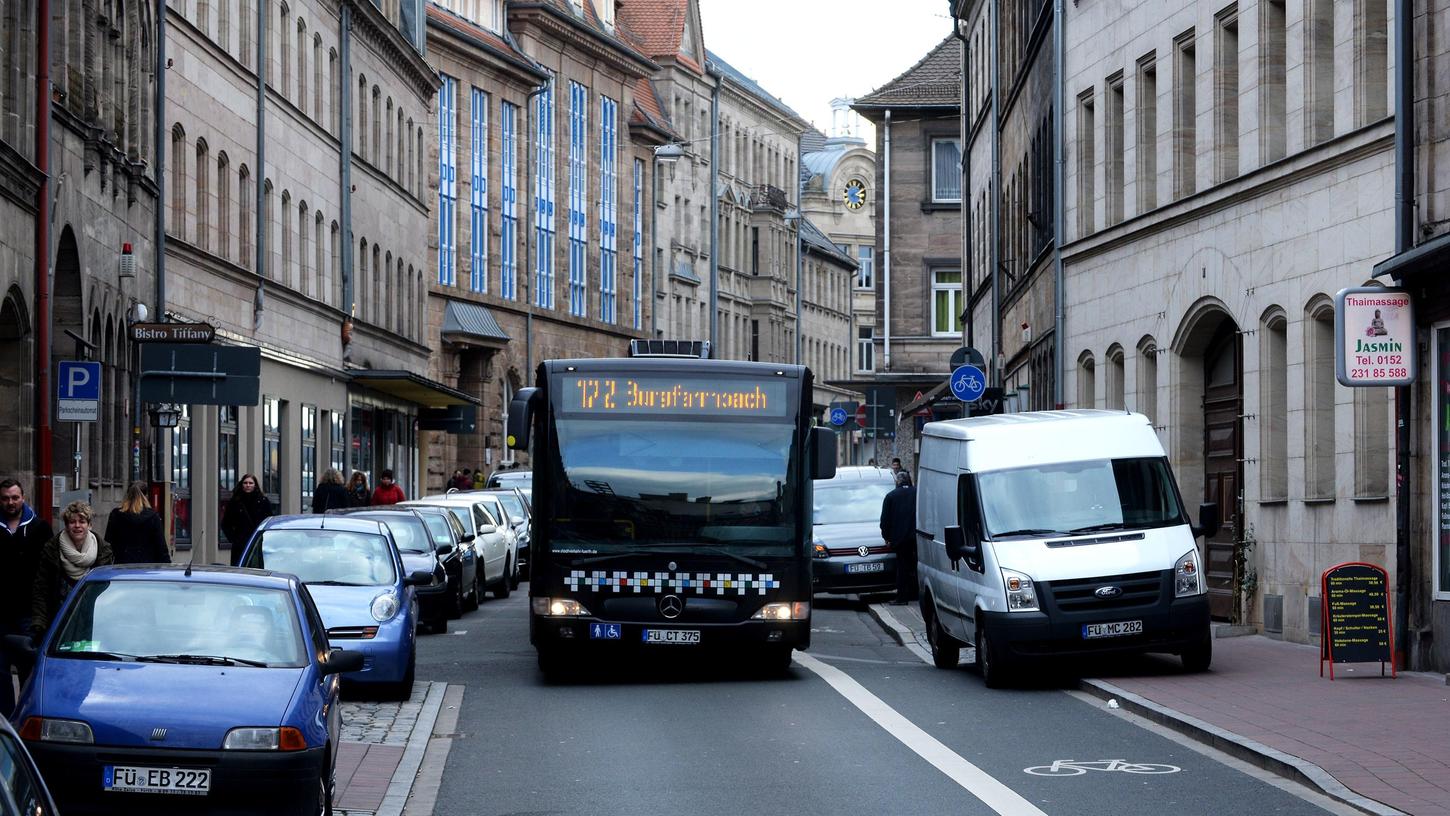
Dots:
pixel 898 528
pixel 22 535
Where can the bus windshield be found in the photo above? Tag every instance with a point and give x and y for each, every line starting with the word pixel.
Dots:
pixel 670 482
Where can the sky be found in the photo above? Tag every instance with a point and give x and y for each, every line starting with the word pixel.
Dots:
pixel 808 52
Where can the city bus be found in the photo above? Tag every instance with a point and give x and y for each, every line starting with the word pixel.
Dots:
pixel 672 507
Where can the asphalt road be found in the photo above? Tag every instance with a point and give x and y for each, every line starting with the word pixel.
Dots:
pixel 859 725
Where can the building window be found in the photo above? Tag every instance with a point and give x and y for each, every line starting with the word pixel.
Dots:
pixel 1115 398
pixel 178 182
pixel 508 201
pixel 478 192
pixel 1086 162
pixel 447 181
pixel 1147 133
pixel 637 283
pixel 362 441
pixel 181 479
pixel 946 171
pixel 865 349
pixel 1113 148
pixel 865 267
pixel 272 450
pixel 1318 71
pixel 223 206
pixel 1319 395
pixel 1442 441
pixel 1087 381
pixel 337 456
pixel 245 236
pixel 226 451
pixel 1185 112
pixel 1273 80
pixel 578 197
pixel 1226 95
pixel 1274 408
pixel 544 198
pixel 1371 33
pixel 946 302
pixel 309 454
pixel 1372 443
pixel 608 208
pixel 203 216
pixel 1148 378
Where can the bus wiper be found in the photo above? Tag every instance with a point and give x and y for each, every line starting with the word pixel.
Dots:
pixel 1097 528
pixel 1037 531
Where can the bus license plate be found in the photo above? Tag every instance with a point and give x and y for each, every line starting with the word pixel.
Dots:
pixel 185 781
pixel 678 637
pixel 1114 629
pixel 869 566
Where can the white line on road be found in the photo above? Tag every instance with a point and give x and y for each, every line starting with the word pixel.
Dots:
pixel 977 782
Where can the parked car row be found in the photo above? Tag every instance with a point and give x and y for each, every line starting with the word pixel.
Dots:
pixel 157 685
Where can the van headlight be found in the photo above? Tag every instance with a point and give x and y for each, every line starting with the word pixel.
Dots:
pixel 1186 578
pixel 1021 597
pixel 385 606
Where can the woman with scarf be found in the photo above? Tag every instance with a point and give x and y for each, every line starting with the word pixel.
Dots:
pixel 244 513
pixel 358 492
pixel 64 560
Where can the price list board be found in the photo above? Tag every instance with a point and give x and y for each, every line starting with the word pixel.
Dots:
pixel 1356 616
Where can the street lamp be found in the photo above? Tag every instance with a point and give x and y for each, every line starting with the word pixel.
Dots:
pixel 166 415
pixel 669 153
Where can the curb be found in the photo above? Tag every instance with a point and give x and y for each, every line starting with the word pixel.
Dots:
pixel 899 633
pixel 402 782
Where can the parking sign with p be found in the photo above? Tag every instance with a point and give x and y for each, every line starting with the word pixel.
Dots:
pixel 78 391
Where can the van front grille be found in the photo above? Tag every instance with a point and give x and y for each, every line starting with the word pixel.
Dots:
pixel 1081 594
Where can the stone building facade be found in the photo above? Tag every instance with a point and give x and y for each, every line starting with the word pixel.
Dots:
pixel 321 266
pixel 102 195
pixel 1229 167
pixel 545 102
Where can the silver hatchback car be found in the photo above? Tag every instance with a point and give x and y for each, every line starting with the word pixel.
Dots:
pixel 850 555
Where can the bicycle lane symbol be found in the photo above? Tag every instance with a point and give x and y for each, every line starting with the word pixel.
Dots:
pixel 1073 767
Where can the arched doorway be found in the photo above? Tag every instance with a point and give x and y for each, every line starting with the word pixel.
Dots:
pixel 17 389
pixel 67 313
pixel 1223 447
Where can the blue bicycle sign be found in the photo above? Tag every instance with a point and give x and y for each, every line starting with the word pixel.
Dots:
pixel 968 383
pixel 838 416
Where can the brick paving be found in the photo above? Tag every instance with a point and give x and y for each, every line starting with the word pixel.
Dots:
pixel 374 735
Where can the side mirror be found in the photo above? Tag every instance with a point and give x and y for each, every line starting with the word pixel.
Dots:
pixel 465 538
pixel 342 661
pixel 1209 521
pixel 487 529
pixel 521 417
pixel 445 548
pixel 954 543
pixel 419 578
pixel 824 465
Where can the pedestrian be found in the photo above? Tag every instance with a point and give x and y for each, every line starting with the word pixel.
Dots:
pixel 478 479
pixel 871 462
pixel 387 492
pixel 135 531
pixel 23 534
pixel 64 561
pixel 244 512
pixel 330 494
pixel 895 464
pixel 358 493
pixel 455 480
pixel 898 528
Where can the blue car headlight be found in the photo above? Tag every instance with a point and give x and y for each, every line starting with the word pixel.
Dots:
pixel 385 606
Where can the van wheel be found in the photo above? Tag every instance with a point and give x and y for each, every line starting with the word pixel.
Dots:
pixel 991 663
pixel 1197 658
pixel 502 589
pixel 946 652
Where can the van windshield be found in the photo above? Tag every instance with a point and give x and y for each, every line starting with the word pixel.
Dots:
pixel 1076 498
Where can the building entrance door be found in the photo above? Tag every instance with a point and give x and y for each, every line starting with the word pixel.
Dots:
pixel 1223 459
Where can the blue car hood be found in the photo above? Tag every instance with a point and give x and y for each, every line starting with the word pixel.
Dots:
pixel 346 605
pixel 123 702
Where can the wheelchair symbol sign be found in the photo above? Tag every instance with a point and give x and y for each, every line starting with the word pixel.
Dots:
pixel 968 383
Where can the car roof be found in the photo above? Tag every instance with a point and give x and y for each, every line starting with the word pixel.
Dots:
pixel 202 573
pixel 313 521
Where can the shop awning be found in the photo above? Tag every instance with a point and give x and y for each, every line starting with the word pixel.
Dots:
pixel 1432 254
pixel 414 388
pixel 925 399
pixel 471 323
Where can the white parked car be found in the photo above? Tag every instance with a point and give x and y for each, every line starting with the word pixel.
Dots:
pixel 494 537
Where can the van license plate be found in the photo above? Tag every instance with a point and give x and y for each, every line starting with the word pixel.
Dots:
pixel 869 566
pixel 187 781
pixel 679 637
pixel 1115 629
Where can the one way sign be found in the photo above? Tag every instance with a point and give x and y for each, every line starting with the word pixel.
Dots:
pixel 78 391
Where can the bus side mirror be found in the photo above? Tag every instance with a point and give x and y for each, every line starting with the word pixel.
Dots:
pixel 825 461
pixel 521 418
pixel 1209 521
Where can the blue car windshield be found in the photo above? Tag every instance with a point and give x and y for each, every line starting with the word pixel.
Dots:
pixel 407 530
pixel 141 619
pixel 325 556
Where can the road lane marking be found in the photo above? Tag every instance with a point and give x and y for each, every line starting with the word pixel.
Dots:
pixel 995 795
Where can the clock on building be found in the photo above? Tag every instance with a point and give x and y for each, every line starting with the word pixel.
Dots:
pixel 855 194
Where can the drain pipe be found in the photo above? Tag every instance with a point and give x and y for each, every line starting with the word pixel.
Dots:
pixel 995 364
pixel 1404 240
pixel 344 137
pixel 965 126
pixel 158 148
pixel 259 301
pixel 800 261
pixel 715 353
pixel 529 226
pixel 44 488
pixel 886 243
pixel 1059 53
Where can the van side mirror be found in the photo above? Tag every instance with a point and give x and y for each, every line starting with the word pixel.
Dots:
pixel 1209 521
pixel 824 466
pixel 954 543
pixel 521 417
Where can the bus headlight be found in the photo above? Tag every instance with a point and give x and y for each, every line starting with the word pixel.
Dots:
pixel 1021 597
pixel 784 611
pixel 1186 578
pixel 559 608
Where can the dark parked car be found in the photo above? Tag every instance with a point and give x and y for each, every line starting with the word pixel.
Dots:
pixel 420 553
pixel 462 564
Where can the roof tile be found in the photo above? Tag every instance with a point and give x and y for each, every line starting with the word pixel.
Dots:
pixel 934 80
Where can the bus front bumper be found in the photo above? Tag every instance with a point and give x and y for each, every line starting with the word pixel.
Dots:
pixel 596 633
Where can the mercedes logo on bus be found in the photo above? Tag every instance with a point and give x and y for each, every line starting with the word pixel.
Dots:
pixel 671 606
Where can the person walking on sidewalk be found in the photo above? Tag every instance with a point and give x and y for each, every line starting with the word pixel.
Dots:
pixel 387 491
pixel 23 534
pixel 358 493
pixel 898 528
pixel 135 532
pixel 244 512
pixel 330 494
pixel 64 561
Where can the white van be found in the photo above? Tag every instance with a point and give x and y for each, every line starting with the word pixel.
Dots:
pixel 1057 533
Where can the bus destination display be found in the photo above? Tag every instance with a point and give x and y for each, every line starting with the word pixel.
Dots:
pixel 697 396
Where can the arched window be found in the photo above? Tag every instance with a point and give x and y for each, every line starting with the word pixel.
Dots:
pixel 319 270
pixel 377 127
pixel 304 256
pixel 284 223
pixel 1274 405
pixel 389 319
pixel 406 179
pixel 388 158
pixel 418 174
pixel 399 171
pixel 17 385
pixel 380 276
pixel 360 285
pixel 334 90
pixel 1148 378
pixel 203 223
pixel 301 65
pixel 362 117
pixel 266 257
pixel 223 205
pixel 317 80
pixel 178 181
pixel 224 25
pixel 284 51
pixel 1320 391
pixel 245 234
pixel 203 16
pixel 1115 397
pixel 337 266
pixel 245 46
pixel 1087 384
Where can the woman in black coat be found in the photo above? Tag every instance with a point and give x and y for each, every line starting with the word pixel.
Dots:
pixel 330 494
pixel 244 512
pixel 135 532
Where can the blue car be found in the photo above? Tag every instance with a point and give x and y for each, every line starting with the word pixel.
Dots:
pixel 169 688
pixel 355 573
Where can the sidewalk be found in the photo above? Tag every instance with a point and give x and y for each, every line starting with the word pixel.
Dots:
pixel 382 749
pixel 1366 741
